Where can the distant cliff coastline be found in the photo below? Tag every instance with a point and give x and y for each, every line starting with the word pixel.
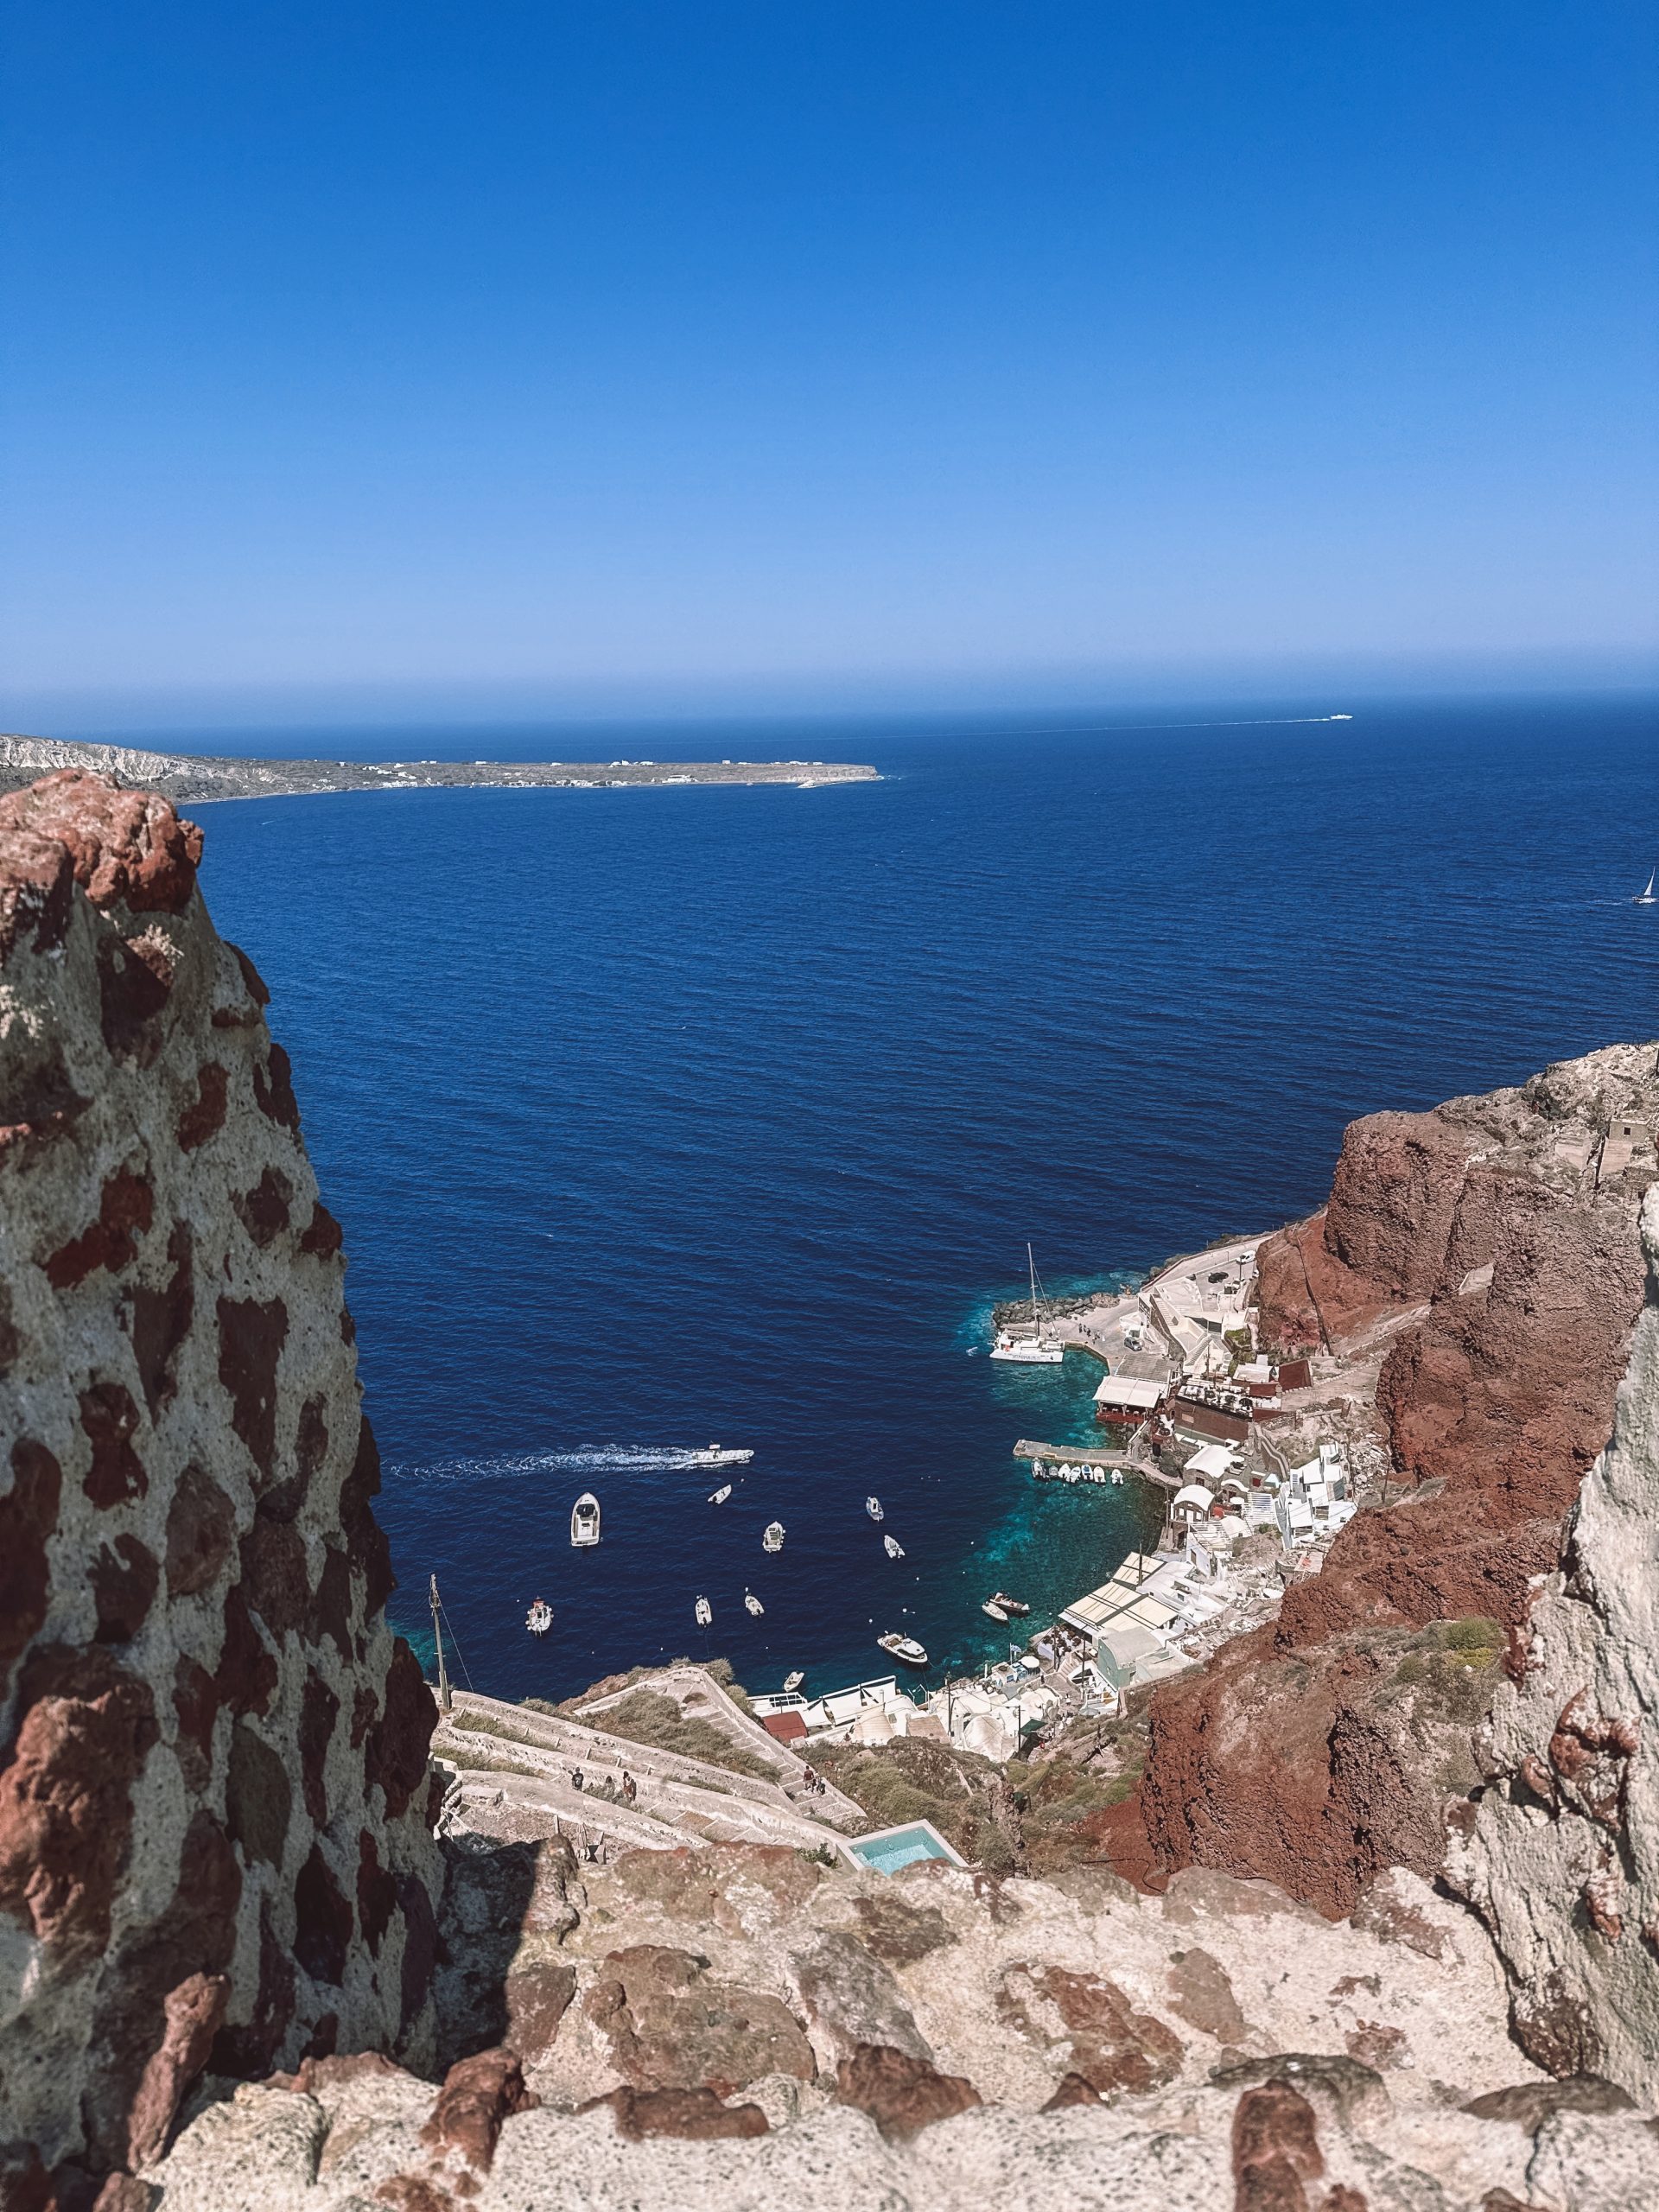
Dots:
pixel 194 779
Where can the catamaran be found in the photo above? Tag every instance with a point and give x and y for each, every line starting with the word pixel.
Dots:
pixel 539 1618
pixel 1040 1348
pixel 1647 898
pixel 584 1520
pixel 772 1537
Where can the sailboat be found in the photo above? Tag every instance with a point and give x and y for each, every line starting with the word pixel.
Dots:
pixel 1038 1349
pixel 1646 897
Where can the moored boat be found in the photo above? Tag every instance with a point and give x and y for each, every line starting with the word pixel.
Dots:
pixel 1014 1605
pixel 894 1547
pixel 584 1520
pixel 539 1618
pixel 873 1507
pixel 903 1647
pixel 753 1604
pixel 705 1612
pixel 1041 1348
pixel 995 1610
pixel 772 1538
pixel 792 1682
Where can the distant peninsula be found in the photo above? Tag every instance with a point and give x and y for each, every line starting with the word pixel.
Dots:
pixel 193 779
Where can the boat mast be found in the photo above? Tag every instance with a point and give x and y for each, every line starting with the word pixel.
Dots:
pixel 444 1698
pixel 1032 1264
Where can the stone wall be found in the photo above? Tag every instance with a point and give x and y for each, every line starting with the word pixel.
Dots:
pixel 212 1752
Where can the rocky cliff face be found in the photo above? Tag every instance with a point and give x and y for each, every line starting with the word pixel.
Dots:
pixel 213 1754
pixel 1488 1253
pixel 1562 1856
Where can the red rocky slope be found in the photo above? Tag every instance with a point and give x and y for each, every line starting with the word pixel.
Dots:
pixel 1510 1223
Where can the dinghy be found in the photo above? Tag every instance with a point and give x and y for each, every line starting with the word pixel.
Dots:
pixel 995 1610
pixel 894 1548
pixel 539 1618
pixel 772 1538
pixel 705 1612
pixel 753 1604
pixel 584 1520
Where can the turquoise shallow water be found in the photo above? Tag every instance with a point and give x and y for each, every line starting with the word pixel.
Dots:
pixel 658 1116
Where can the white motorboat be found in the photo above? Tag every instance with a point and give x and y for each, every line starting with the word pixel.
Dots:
pixel 995 1610
pixel 753 1604
pixel 904 1648
pixel 539 1618
pixel 705 1612
pixel 584 1520
pixel 792 1682
pixel 772 1539
pixel 1015 1606
pixel 873 1507
pixel 1041 1348
pixel 716 1455
pixel 892 1546
pixel 1647 898
pixel 719 1497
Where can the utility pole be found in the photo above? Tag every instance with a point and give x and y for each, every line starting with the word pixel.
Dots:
pixel 444 1699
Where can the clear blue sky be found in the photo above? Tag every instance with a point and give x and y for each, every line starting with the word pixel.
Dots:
pixel 455 353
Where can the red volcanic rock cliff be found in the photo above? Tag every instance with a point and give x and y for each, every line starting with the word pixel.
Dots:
pixel 212 1752
pixel 1493 1245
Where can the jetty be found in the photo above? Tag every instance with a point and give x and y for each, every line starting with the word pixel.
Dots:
pixel 1072 1455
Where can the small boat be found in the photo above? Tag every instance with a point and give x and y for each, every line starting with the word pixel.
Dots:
pixel 792 1682
pixel 584 1520
pixel 753 1604
pixel 719 1497
pixel 995 1610
pixel 1646 897
pixel 1041 1348
pixel 716 1455
pixel 539 1618
pixel 705 1612
pixel 903 1647
pixel 772 1539
pixel 894 1547
pixel 1009 1605
pixel 873 1507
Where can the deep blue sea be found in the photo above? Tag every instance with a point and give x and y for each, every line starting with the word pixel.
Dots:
pixel 660 1116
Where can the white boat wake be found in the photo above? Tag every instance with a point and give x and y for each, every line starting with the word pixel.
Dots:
pixel 594 1458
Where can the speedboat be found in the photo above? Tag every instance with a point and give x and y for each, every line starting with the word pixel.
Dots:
pixel 995 1610
pixel 716 1455
pixel 705 1612
pixel 904 1648
pixel 894 1548
pixel 539 1618
pixel 584 1520
pixel 772 1537
pixel 719 1497
pixel 753 1604
pixel 792 1682
pixel 873 1507
pixel 1009 1605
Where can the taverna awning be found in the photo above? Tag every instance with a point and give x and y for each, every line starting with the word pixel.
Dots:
pixel 1137 1394
pixel 1194 1495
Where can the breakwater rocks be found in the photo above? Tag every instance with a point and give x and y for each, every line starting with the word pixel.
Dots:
pixel 213 1857
pixel 192 780
pixel 1487 1255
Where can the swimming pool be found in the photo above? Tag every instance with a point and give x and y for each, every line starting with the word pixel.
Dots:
pixel 891 1849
